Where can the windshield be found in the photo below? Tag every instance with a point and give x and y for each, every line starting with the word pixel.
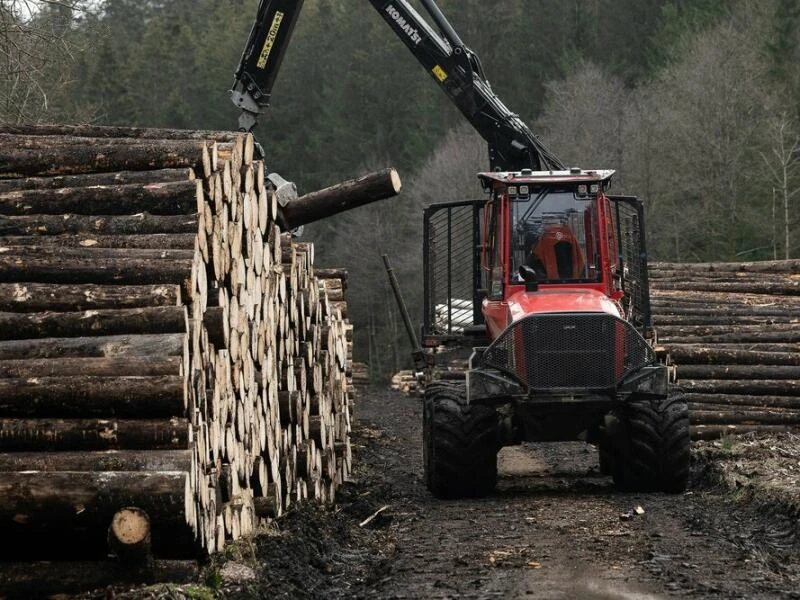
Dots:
pixel 554 234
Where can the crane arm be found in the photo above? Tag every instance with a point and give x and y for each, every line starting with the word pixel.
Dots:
pixel 261 60
pixel 437 47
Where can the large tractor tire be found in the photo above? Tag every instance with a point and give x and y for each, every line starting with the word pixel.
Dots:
pixel 460 444
pixel 655 455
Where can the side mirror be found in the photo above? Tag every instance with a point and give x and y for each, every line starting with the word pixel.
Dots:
pixel 530 278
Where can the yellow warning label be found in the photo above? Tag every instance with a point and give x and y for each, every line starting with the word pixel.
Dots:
pixel 439 72
pixel 273 33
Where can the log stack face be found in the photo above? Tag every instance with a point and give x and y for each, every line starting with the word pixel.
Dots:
pixel 733 330
pixel 163 347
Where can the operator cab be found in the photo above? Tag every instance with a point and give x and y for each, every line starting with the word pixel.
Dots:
pixel 548 228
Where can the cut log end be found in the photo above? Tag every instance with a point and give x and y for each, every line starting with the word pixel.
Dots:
pixel 394 178
pixel 130 526
pixel 129 535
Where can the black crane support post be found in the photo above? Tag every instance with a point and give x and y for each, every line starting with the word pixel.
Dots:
pixel 457 70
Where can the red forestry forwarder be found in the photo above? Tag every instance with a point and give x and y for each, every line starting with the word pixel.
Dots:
pixel 545 280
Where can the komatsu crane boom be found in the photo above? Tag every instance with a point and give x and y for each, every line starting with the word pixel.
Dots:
pixel 437 47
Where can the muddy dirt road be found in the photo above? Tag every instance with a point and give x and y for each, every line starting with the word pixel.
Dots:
pixel 554 529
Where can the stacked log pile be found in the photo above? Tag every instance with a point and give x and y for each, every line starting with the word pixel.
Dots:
pixel 733 330
pixel 165 346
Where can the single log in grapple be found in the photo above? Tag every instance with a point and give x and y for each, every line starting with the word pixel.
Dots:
pixel 166 349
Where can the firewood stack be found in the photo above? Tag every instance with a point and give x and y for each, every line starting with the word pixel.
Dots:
pixel 733 330
pixel 164 346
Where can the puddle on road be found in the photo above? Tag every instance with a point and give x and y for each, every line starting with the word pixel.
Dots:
pixel 558 586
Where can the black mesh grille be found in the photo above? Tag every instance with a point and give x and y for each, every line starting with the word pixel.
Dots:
pixel 569 351
pixel 451 246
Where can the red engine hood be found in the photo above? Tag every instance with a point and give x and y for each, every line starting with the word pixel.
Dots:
pixel 560 300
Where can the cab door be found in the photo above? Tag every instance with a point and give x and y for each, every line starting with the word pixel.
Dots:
pixel 494 263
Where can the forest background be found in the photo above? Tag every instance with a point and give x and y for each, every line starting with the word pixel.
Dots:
pixel 694 103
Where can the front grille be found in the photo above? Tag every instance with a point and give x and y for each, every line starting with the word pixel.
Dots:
pixel 569 351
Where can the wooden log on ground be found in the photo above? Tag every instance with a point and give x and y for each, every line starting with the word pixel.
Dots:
pixel 129 535
pixel 758 387
pixel 170 198
pixel 35 435
pixel 94 155
pixel 792 402
pixel 158 319
pixel 746 317
pixel 140 223
pixel 91 267
pixel 713 432
pixel 753 408
pixel 45 579
pixel 711 331
pixel 99 254
pixel 745 337
pixel 748 417
pixel 172 344
pixel 762 266
pixel 90 396
pixel 689 297
pixel 738 372
pixel 40 297
pixel 126 366
pixel 341 197
pixel 91 179
pixel 153 241
pixel 332 274
pixel 50 508
pixel 778 288
pixel 110 131
pixel 702 354
pixel 100 460
pixel 658 275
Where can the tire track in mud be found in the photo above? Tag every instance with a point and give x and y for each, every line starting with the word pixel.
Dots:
pixel 555 528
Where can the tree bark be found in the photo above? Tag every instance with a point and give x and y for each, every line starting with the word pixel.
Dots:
pixel 40 297
pixel 172 344
pixel 92 179
pixel 712 331
pixel 91 396
pixel 137 224
pixel 108 131
pixel 102 460
pixel 763 335
pixel 158 319
pixel 742 417
pixel 738 372
pixel 156 198
pixel 731 318
pixel 701 354
pixel 341 197
pixel 71 511
pixel 767 387
pixel 95 155
pixel 150 366
pixel 94 265
pixel 765 266
pixel 792 402
pixel 154 241
pixel 35 435
pixel 787 288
